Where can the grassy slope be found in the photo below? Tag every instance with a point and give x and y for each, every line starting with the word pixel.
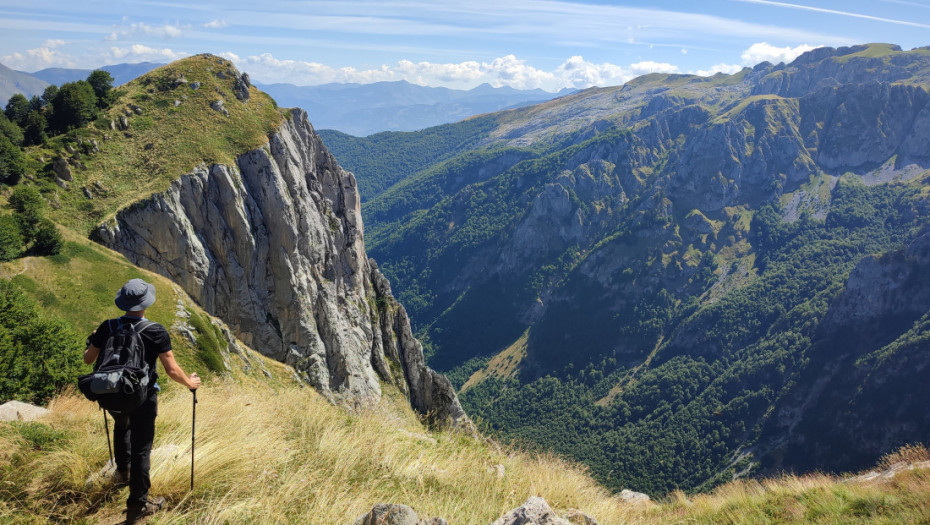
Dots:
pixel 284 455
pixel 164 140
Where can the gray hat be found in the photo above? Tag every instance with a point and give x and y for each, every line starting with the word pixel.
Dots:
pixel 135 295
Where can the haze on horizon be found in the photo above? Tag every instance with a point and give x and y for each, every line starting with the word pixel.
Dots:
pixel 547 44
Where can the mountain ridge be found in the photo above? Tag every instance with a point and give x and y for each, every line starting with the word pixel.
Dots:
pixel 674 243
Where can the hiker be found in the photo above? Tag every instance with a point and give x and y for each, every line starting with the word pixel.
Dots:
pixel 134 432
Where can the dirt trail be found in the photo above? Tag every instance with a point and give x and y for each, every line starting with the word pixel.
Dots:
pixel 5 271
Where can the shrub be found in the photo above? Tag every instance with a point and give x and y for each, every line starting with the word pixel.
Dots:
pixel 12 162
pixel 10 130
pixel 28 204
pixel 11 240
pixel 38 355
pixel 48 240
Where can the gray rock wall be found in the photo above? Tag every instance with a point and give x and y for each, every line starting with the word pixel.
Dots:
pixel 273 246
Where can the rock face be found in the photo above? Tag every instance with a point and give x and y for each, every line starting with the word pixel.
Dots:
pixel 273 246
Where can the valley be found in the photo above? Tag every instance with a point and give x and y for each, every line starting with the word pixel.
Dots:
pixel 683 247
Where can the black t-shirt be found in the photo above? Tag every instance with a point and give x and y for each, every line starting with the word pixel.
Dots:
pixel 155 338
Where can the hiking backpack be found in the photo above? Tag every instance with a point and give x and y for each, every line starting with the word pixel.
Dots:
pixel 121 379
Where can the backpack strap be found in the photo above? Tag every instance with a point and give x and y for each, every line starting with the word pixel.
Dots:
pixel 140 326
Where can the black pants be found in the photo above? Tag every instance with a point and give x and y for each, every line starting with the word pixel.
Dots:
pixel 132 442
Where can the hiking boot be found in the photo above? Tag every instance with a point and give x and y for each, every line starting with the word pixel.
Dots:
pixel 134 512
pixel 120 478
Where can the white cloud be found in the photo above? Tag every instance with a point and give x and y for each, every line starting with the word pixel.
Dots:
pixel 44 56
pixel 576 72
pixel 509 70
pixel 764 52
pixel 422 72
pixel 513 72
pixel 215 24
pixel 727 69
pixel 132 30
pixel 141 53
pixel 649 66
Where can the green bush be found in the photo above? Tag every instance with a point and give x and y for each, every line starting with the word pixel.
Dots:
pixel 12 162
pixel 48 240
pixel 29 205
pixel 11 240
pixel 38 354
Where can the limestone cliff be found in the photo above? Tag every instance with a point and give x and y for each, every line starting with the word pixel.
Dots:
pixel 273 246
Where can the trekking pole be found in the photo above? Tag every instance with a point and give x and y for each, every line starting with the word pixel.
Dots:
pixel 106 428
pixel 193 433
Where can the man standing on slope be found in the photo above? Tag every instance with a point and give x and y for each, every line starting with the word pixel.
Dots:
pixel 134 433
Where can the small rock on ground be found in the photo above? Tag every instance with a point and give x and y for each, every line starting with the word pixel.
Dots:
pixel 534 512
pixel 394 514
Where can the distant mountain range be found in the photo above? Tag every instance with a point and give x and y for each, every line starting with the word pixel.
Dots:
pixel 122 73
pixel 364 109
pixel 355 109
pixel 13 82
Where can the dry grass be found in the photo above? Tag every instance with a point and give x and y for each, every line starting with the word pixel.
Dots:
pixel 268 454
pixel 907 454
pixel 503 365
pixel 284 455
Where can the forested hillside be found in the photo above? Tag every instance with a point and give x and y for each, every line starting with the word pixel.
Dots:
pixel 679 279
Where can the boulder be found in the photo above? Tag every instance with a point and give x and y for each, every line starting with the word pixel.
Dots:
pixel 577 517
pixel 394 514
pixel 629 496
pixel 19 411
pixel 62 170
pixel 219 106
pixel 534 512
pixel 241 87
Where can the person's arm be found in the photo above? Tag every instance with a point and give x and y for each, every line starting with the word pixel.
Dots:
pixel 174 371
pixel 91 353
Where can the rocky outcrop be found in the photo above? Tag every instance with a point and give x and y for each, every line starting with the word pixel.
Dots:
pixel 19 411
pixel 534 512
pixel 394 514
pixel 273 246
pixel 889 288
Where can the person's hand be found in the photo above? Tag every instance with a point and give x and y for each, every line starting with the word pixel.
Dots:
pixel 195 381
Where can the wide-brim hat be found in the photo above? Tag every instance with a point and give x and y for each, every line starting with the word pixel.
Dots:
pixel 135 295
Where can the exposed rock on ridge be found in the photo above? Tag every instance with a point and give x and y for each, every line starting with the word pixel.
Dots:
pixel 273 246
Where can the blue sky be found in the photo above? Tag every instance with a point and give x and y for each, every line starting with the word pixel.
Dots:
pixel 548 44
